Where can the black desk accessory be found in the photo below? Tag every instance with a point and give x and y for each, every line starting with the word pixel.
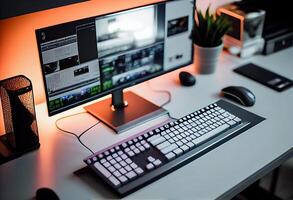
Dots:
pixel 265 77
pixel 46 194
pixel 19 116
pixel 239 94
pixel 186 78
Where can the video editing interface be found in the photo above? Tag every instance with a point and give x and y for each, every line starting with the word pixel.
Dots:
pixel 85 59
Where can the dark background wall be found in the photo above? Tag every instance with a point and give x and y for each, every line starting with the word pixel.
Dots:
pixel 11 8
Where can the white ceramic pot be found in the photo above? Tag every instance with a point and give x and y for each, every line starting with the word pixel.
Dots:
pixel 206 58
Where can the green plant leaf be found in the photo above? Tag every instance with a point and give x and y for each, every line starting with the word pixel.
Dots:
pixel 209 28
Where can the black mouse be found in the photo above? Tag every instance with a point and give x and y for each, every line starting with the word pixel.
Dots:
pixel 239 94
pixel 46 194
pixel 186 78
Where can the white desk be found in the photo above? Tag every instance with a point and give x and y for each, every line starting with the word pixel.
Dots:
pixel 220 173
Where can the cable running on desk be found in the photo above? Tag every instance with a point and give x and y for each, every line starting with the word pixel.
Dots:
pixel 79 136
pixel 168 100
pixel 74 134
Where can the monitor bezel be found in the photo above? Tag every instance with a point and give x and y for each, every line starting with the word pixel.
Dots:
pixel 120 87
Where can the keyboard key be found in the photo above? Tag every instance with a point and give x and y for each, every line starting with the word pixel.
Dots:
pixel 146 145
pixel 163 145
pixel 190 144
pixel 150 166
pixel 184 147
pixel 123 156
pixel 141 148
pixel 139 171
pixel 231 122
pixel 128 161
pixel 179 143
pixel 237 119
pixel 158 140
pixel 130 153
pixel 117 173
pixel 118 159
pixel 178 151
pixel 122 171
pixel 169 148
pixel 102 169
pixel 133 165
pixel 136 151
pixel 117 166
pixel 114 181
pixel 170 155
pixel 109 158
pixel 130 142
pixel 111 169
pixel 131 175
pixel 123 179
pixel 151 159
pixel 137 145
pixel 171 140
pixel 106 164
pixel 157 162
pixel 210 134
pixel 123 163
pixel 128 168
pixel 143 142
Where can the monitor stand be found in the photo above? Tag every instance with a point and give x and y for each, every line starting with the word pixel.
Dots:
pixel 123 115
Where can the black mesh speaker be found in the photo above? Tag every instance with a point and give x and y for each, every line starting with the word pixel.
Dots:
pixel 19 116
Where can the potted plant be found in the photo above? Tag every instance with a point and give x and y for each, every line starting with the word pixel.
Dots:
pixel 207 35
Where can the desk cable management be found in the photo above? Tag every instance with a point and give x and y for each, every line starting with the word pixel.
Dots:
pixel 85 131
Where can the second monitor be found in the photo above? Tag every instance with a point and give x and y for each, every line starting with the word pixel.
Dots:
pixel 90 58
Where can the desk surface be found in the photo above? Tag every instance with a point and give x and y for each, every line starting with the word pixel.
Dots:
pixel 220 173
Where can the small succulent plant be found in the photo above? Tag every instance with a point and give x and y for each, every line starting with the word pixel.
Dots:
pixel 209 28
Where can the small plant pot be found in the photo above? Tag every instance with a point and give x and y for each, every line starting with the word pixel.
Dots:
pixel 206 58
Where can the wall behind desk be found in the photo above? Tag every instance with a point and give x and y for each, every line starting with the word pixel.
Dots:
pixel 18 47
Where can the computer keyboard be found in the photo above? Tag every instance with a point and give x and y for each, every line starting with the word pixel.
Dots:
pixel 147 156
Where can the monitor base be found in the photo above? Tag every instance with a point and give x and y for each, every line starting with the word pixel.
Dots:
pixel 137 111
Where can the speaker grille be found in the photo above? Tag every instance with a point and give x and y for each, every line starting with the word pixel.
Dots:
pixel 19 113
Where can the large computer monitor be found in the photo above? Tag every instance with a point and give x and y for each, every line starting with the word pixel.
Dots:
pixel 89 58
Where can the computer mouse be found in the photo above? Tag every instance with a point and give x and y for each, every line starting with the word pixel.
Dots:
pixel 46 194
pixel 239 94
pixel 186 78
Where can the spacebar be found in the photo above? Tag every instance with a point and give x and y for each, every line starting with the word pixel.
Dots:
pixel 210 134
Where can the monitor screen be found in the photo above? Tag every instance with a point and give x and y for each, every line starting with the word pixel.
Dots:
pixel 88 58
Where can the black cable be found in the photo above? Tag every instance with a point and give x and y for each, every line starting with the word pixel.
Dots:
pixel 79 136
pixel 169 97
pixel 172 117
pixel 74 134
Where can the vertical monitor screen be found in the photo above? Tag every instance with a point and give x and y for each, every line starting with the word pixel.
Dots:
pixel 86 59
